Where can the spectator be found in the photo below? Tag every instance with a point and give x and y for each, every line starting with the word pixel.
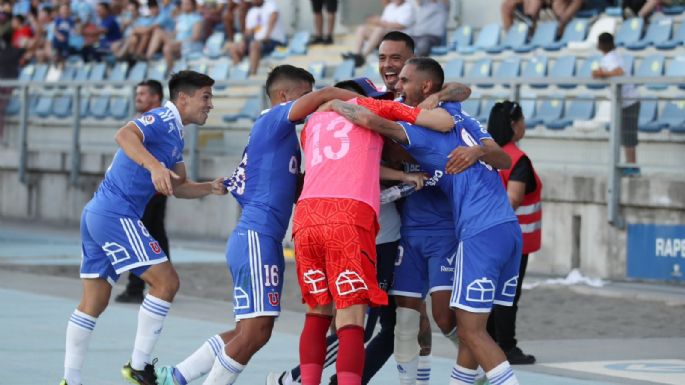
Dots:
pixel 565 10
pixel 431 25
pixel 649 6
pixel 263 33
pixel 144 28
pixel 611 65
pixel 331 9
pixel 102 34
pixel 65 26
pixel 6 23
pixel 397 15
pixel 186 38
pixel 43 26
pixel 241 7
pixel 507 126
pixel 531 9
pixel 21 32
pixel 213 13
pixel 128 21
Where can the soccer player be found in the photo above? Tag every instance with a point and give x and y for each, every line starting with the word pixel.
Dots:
pixel 264 184
pixel 487 260
pixel 114 239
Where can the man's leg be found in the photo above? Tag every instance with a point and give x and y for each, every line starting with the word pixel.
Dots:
pixel 407 346
pixel 255 53
pixel 425 338
pixel 313 343
pixel 350 366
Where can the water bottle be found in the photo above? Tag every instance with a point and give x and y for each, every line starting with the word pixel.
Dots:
pixel 396 192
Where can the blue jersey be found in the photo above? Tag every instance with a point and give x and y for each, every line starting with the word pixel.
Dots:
pixel 428 212
pixel 478 198
pixel 127 186
pixel 265 182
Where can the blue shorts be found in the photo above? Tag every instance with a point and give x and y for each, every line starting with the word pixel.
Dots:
pixel 256 264
pixel 424 265
pixel 112 245
pixel 487 269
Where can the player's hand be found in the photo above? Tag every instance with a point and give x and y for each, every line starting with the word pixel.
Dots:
pixel 161 178
pixel 328 106
pixel 462 158
pixel 218 187
pixel 415 178
pixel 430 102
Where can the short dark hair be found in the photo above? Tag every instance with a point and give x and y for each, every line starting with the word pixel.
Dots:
pixel 287 72
pixel 499 121
pixel 350 85
pixel 400 36
pixel 187 82
pixel 431 67
pixel 154 86
pixel 605 41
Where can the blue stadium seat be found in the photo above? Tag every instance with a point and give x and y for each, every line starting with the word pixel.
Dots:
pixel 26 73
pixel 454 69
pixel 441 48
pixel 200 67
pixel 544 35
pixel 344 71
pixel 68 73
pixel 652 65
pixel 536 68
pixel 84 108
pixel 484 114
pixel 471 106
pixel 13 106
pixel 647 117
pixel 576 30
pixel 528 108
pixel 585 70
pixel 99 106
pixel 118 107
pixel 214 45
pixel 549 111
pixel 97 72
pixel 371 72
pixel 83 73
pixel 220 71
pixel 156 71
pixel 508 68
pixel 481 70
pixel 582 108
pixel 630 31
pixel 318 69
pixel 61 108
pixel 179 65
pixel 138 71
pixel 564 67
pixel 44 106
pixel 250 110
pixel 40 72
pixel 672 117
pixel 488 37
pixel 677 39
pixel 677 68
pixel 516 37
pixel 658 32
pixel 297 46
pixel 462 37
pixel 118 73
pixel 673 10
pixel 239 72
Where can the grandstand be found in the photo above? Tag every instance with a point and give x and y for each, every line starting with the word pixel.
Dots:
pixel 56 117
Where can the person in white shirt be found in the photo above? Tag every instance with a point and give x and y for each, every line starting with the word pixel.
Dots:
pixel 397 15
pixel 612 65
pixel 264 32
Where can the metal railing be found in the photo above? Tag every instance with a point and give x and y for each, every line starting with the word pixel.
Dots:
pixel 514 84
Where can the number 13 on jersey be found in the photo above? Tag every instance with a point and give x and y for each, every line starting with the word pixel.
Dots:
pixel 333 135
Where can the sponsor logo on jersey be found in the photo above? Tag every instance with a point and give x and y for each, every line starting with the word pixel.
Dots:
pixel 433 180
pixel 155 247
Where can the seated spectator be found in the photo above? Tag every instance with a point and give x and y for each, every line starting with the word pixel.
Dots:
pixel 65 26
pixel 239 7
pixel 531 9
pixel 263 33
pixel 644 9
pixel 144 29
pixel 431 25
pixel 213 13
pixel 397 15
pixel 127 21
pixel 565 10
pixel 22 35
pixel 101 35
pixel 186 37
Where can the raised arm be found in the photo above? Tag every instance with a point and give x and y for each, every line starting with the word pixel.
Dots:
pixel 367 119
pixel 308 103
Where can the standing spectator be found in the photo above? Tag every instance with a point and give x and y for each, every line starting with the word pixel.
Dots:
pixel 43 26
pixel 331 9
pixel 64 27
pixel 397 15
pixel 264 32
pixel 149 95
pixel 611 65
pixel 507 126
pixel 186 38
pixel 431 25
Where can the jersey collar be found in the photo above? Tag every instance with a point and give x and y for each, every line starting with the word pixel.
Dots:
pixel 171 106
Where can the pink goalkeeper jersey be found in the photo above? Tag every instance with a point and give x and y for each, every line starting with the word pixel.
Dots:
pixel 342 160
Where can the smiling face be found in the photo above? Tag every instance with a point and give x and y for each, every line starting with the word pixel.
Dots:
pixel 196 107
pixel 412 85
pixel 391 58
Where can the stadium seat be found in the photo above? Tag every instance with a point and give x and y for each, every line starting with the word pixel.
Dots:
pixel 138 71
pixel 563 67
pixel 371 72
pixel 630 31
pixel 26 73
pixel 673 10
pixel 508 68
pixel 44 106
pixel 220 71
pixel 544 35
pixel 471 106
pixel 239 72
pixel 462 37
pixel 179 65
pixel 318 69
pixel 40 72
pixel 68 73
pixel 653 66
pixel 582 108
pixel 488 37
pixel 83 73
pixel 118 73
pixel 549 111
pixel 484 114
pixel 658 32
pixel 677 68
pixel 98 106
pixel 481 70
pixel 250 110
pixel 118 107
pixel 528 108
pixel 516 37
pixel 677 39
pixel 200 67
pixel 603 24
pixel 536 68
pixel 61 107
pixel 575 31
pixel 84 108
pixel 97 72
pixel 297 46
pixel 672 117
pixel 214 45
pixel 441 49
pixel 344 71
pixel 454 69
pixel 648 110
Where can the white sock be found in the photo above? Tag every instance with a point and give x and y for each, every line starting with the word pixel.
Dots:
pixel 502 375
pixel 288 378
pixel 406 345
pixel 224 371
pixel 407 371
pixel 200 362
pixel 452 336
pixel 462 376
pixel 79 329
pixel 423 373
pixel 150 322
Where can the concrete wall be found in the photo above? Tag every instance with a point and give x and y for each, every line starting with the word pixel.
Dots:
pixel 575 232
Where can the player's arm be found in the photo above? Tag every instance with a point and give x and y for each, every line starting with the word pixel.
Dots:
pixel 130 139
pixel 436 119
pixel 364 118
pixel 489 152
pixel 451 92
pixel 187 189
pixel 308 103
pixel 415 178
